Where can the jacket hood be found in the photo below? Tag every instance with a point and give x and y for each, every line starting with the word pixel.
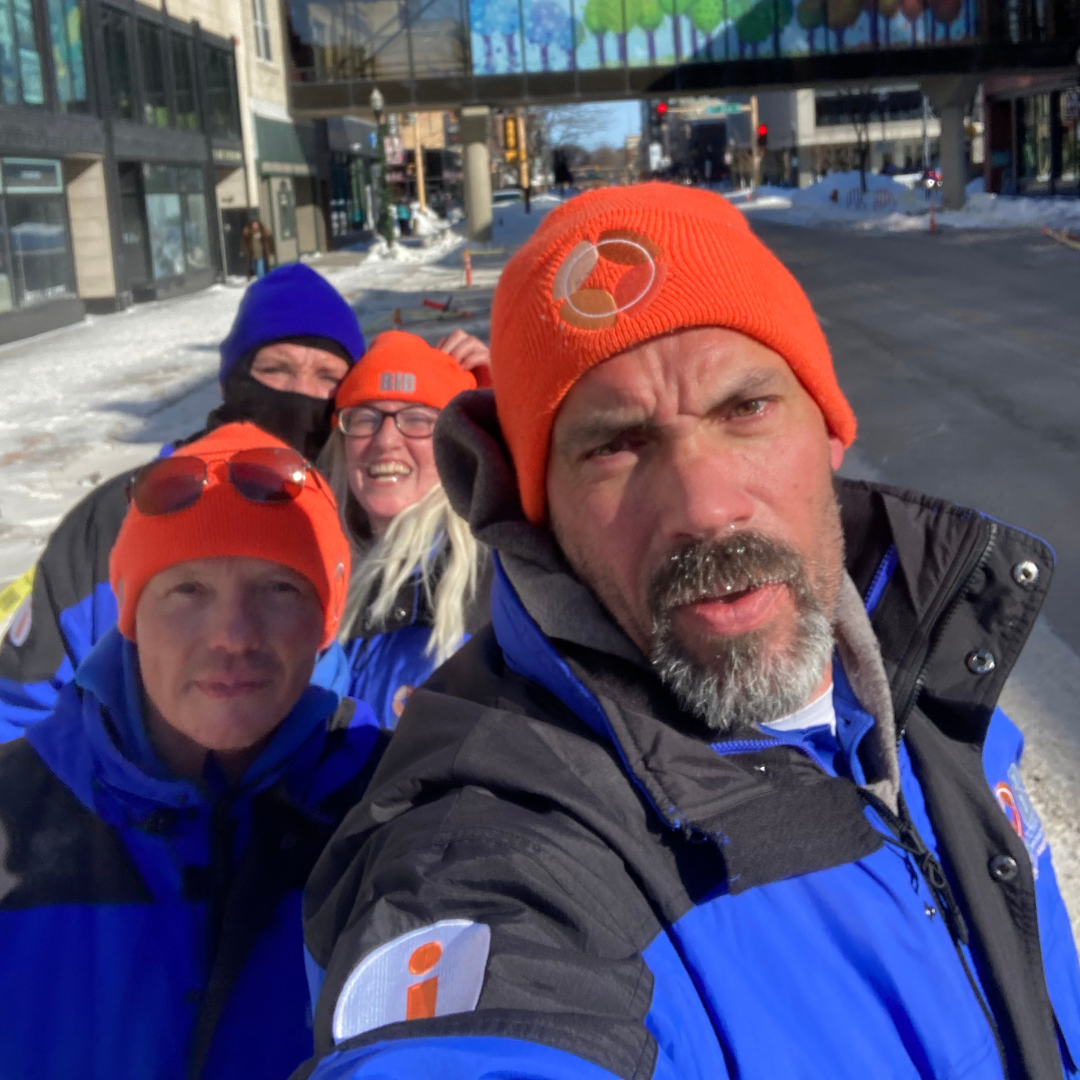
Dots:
pixel 96 740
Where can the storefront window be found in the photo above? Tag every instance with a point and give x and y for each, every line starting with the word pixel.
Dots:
pixel 1070 143
pixel 176 219
pixel 1035 149
pixel 220 78
pixel 196 231
pixel 155 96
pixel 20 61
pixel 69 67
pixel 35 256
pixel 114 27
pixel 187 113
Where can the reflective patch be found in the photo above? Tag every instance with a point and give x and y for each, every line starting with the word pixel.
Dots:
pixel 401 698
pixel 435 971
pixel 402 381
pixel 21 621
pixel 1014 800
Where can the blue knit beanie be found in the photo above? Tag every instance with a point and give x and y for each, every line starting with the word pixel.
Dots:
pixel 290 302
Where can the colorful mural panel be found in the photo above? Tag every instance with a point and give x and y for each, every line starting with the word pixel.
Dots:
pixel 509 36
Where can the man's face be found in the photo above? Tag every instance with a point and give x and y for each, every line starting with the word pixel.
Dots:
pixel 226 647
pixel 690 486
pixel 299 369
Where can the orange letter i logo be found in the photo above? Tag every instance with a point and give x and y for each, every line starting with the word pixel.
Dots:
pixel 420 1004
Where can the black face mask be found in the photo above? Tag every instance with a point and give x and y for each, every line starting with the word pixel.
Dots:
pixel 301 421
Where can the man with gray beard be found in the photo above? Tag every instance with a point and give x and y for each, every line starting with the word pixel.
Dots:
pixel 724 790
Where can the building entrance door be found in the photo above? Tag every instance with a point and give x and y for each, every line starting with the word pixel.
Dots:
pixel 133 237
pixel 284 204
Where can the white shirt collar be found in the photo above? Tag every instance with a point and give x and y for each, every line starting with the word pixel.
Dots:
pixel 820 712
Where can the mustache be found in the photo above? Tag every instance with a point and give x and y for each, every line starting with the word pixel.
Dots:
pixel 219 664
pixel 712 569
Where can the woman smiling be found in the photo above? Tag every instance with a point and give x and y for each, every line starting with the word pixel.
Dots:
pixel 416 588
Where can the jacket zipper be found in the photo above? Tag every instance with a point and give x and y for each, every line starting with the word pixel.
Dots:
pixel 906 838
pixel 942 621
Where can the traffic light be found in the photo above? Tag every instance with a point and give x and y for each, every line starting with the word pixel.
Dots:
pixel 656 120
pixel 762 136
pixel 510 136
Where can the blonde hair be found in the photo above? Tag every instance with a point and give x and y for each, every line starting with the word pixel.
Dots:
pixel 427 540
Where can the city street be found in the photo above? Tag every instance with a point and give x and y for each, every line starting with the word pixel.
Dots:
pixel 960 352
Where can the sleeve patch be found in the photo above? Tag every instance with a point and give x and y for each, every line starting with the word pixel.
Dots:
pixel 437 970
pixel 1018 808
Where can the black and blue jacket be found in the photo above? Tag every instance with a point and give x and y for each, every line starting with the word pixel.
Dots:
pixel 556 875
pixel 150 926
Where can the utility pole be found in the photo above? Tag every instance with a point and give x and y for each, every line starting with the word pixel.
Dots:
pixel 755 157
pixel 523 161
pixel 420 193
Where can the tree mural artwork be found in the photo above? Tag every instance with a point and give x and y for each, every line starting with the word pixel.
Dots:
pixel 912 10
pixel 594 23
pixel 759 23
pixel 841 16
pixel 547 24
pixel 676 9
pixel 650 16
pixel 944 13
pixel 705 16
pixel 887 9
pixel 619 17
pixel 810 15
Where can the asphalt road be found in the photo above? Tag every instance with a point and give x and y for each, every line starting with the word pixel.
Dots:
pixel 960 352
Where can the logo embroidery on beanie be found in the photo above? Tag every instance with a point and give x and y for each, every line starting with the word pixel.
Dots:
pixel 402 381
pixel 618 273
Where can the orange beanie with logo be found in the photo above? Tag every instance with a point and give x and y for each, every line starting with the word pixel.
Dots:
pixel 303 534
pixel 403 367
pixel 618 266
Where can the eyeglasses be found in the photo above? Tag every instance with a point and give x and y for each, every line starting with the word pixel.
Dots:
pixel 363 422
pixel 267 475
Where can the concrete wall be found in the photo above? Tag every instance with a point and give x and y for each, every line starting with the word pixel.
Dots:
pixel 95 277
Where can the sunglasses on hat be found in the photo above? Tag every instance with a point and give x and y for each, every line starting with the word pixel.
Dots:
pixel 265 475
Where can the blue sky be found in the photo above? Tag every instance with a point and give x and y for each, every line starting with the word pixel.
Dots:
pixel 616 120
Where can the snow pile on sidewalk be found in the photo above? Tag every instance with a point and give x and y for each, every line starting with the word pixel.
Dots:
pixel 836 200
pixel 988 211
pixel 511 226
pixel 427 222
pixel 892 204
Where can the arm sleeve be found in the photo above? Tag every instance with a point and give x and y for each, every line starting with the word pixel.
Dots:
pixel 71 606
pixel 559 987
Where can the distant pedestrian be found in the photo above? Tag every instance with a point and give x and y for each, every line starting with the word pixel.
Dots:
pixel 404 216
pixel 257 244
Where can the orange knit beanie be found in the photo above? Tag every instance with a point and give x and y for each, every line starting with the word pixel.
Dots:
pixel 303 534
pixel 619 266
pixel 404 367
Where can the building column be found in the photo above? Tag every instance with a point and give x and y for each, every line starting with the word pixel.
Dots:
pixel 950 95
pixel 474 137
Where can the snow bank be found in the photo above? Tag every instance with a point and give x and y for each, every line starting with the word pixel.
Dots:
pixel 511 226
pixel 984 210
pixel 427 222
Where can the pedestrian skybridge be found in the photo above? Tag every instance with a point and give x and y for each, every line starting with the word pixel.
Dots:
pixel 446 53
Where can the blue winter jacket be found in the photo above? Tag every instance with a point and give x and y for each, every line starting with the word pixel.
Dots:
pixel 556 876
pixel 387 665
pixel 150 926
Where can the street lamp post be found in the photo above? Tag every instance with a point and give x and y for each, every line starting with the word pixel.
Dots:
pixel 384 220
